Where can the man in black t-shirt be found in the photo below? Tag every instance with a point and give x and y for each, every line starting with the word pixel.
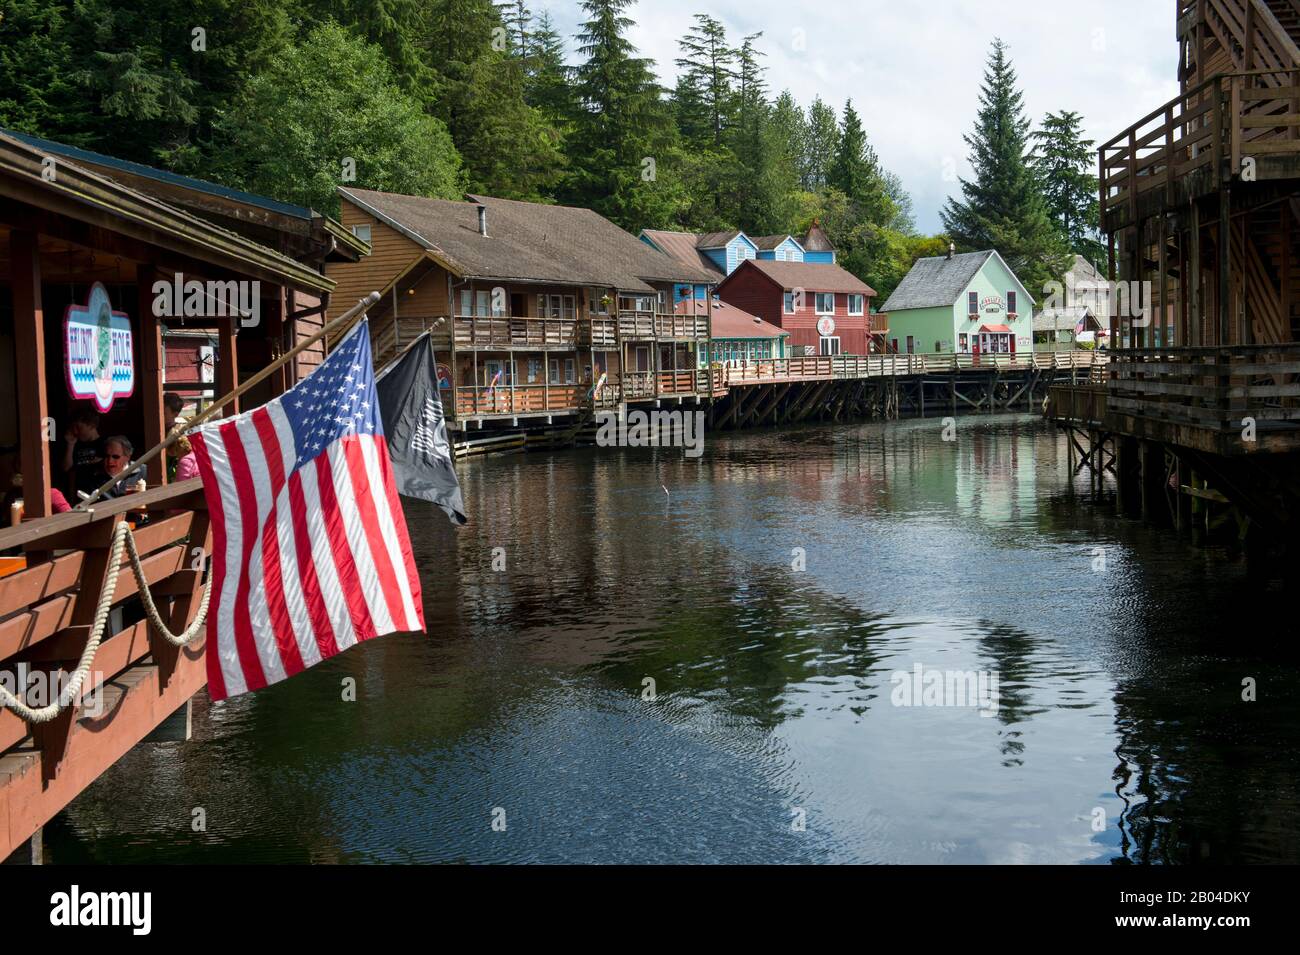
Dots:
pixel 83 454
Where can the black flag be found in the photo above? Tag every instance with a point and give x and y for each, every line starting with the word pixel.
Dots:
pixel 416 431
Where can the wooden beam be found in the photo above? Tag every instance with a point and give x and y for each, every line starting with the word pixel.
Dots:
pixel 29 349
pixel 151 365
pixel 228 364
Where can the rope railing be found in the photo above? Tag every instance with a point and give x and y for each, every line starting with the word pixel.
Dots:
pixel 123 539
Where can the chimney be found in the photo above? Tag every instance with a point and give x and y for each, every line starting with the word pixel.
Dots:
pixel 952 247
pixel 482 220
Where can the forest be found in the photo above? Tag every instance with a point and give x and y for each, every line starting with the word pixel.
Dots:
pixel 292 98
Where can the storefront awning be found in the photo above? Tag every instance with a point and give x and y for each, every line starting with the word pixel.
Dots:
pixel 1005 329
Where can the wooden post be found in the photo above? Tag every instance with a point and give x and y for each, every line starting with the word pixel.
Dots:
pixel 29 350
pixel 152 365
pixel 228 362
pixel 1225 265
pixel 1194 277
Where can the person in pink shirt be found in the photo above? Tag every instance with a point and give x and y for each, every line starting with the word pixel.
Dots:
pixel 186 465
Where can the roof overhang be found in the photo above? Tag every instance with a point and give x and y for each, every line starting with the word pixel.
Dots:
pixel 86 196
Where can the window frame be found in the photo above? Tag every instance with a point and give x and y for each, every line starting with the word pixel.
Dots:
pixel 817 303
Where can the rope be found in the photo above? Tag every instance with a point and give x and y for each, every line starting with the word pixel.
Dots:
pixel 122 538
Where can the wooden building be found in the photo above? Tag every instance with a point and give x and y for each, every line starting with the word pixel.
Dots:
pixel 1200 202
pixel 81 324
pixel 964 304
pixel 826 310
pixel 538 312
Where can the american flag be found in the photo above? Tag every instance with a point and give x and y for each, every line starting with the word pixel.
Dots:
pixel 310 550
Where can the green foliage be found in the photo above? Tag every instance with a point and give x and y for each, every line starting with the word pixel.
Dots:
pixel 1065 161
pixel 624 146
pixel 1003 206
pixel 334 97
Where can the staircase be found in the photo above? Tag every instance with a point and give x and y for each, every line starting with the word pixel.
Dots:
pixel 1287 14
pixel 1268 273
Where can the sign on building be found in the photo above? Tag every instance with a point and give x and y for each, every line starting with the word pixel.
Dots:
pixel 98 352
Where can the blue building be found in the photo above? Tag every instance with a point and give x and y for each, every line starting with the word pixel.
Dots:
pixel 721 253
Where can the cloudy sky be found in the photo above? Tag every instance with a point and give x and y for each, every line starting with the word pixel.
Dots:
pixel 913 67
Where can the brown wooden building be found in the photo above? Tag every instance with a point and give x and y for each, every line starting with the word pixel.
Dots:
pixel 74 231
pixel 537 311
pixel 1200 201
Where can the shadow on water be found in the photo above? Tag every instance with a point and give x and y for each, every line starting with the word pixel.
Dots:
pixel 635 656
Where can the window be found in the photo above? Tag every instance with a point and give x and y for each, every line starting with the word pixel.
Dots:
pixel 1011 302
pixel 562 371
pixel 476 303
pixel 362 232
pixel 855 304
pixel 830 346
pixel 789 303
pixel 825 303
pixel 894 346
pixel 911 345
pixel 936 347
pixel 962 342
pixel 973 303
pixel 496 373
pixel 534 370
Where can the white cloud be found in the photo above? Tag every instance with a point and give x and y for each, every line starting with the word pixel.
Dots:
pixel 914 69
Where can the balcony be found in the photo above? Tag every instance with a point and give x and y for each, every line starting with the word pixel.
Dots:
pixel 505 332
pixel 474 401
pixel 1195 142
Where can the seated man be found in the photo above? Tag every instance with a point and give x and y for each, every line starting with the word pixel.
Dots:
pixel 117 463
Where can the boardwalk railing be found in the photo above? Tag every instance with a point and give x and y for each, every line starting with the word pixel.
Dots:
pixel 1211 387
pixel 1212 126
pixel 875 366
pixel 50 581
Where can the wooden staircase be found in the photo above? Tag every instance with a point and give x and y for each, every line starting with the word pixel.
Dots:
pixel 1238 35
pixel 1267 269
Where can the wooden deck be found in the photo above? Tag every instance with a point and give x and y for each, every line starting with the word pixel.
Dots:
pixel 45 613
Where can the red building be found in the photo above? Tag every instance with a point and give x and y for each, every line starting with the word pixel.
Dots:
pixel 826 310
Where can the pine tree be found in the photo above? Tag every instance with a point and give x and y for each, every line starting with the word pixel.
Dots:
pixel 509 148
pixel 704 96
pixel 624 142
pixel 821 144
pixel 37 92
pixel 1064 161
pixel 855 171
pixel 548 86
pixel 1002 207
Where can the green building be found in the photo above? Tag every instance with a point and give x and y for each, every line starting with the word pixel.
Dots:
pixel 969 304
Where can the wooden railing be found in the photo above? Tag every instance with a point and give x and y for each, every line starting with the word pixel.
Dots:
pixel 682 326
pixel 48 597
pixel 1211 387
pixel 868 366
pixel 636 324
pixel 472 331
pixel 1211 127
pixel 472 401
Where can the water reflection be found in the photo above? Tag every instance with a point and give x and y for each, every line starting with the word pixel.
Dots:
pixel 1119 690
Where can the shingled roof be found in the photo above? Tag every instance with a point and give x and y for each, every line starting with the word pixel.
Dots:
pixel 767 243
pixel 938 281
pixel 685 248
pixel 811 276
pixel 527 241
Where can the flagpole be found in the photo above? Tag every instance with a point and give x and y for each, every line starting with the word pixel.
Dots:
pixel 182 426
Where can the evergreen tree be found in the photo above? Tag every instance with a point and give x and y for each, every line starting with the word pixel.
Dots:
pixel 509 148
pixel 704 97
pixel 624 144
pixel 855 171
pixel 1002 207
pixel 820 145
pixel 548 85
pixel 341 100
pixel 1064 161
pixel 37 91
pixel 767 178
